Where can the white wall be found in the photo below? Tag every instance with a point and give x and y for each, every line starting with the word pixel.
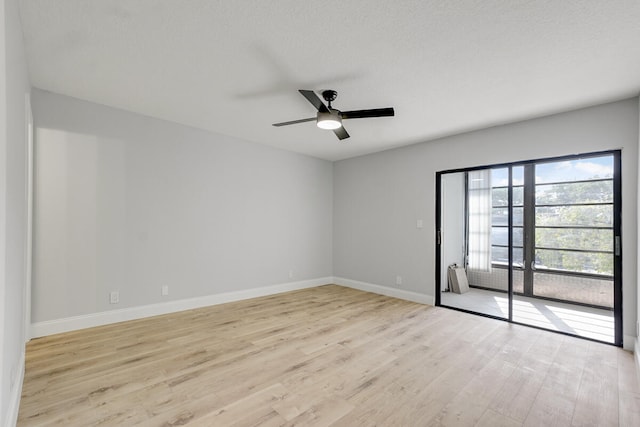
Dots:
pixel 4 379
pixel 379 197
pixel 130 203
pixel 14 85
pixel 452 223
pixel 637 340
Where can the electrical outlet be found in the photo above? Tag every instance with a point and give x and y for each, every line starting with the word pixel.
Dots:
pixel 165 291
pixel 290 274
pixel 398 280
pixel 114 297
pixel 419 224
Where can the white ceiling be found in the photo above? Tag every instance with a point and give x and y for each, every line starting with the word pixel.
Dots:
pixel 234 67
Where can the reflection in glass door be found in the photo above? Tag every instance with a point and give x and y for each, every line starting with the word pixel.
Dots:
pixel 537 242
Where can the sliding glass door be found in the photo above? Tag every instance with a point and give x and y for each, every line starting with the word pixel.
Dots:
pixel 535 243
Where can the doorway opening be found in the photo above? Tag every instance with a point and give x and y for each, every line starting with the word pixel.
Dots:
pixel 535 242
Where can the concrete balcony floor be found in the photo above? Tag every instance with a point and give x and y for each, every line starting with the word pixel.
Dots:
pixel 582 321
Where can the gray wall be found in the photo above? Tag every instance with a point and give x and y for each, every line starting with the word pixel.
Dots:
pixel 379 197
pixel 130 203
pixel 14 85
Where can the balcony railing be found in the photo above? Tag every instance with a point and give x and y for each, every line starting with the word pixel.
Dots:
pixel 594 291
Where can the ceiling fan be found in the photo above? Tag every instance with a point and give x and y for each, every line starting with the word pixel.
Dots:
pixel 330 118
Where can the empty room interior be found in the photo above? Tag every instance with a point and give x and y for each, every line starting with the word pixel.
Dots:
pixel 362 213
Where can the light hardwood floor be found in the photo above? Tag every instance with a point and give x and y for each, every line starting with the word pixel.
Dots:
pixel 327 356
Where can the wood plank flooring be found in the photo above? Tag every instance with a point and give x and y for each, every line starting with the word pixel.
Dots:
pixel 327 356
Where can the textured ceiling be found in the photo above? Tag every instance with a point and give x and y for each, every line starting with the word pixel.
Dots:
pixel 234 67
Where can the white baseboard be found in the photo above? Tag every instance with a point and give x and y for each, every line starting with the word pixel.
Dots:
pixel 384 290
pixel 14 399
pixel 50 327
pixel 628 342
pixel 636 354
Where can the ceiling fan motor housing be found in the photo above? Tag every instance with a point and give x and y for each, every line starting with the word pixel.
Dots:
pixel 329 95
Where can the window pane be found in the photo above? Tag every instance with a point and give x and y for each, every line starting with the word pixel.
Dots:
pixel 575 170
pixel 590 216
pixel 500 216
pixel 575 192
pixel 518 196
pixel 500 236
pixel 501 255
pixel 563 238
pixel 517 175
pixel 575 261
pixel 499 177
pixel 499 196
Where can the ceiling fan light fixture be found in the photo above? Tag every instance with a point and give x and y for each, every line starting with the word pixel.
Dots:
pixel 329 120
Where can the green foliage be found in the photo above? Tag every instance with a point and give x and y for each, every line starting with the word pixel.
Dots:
pixel 567 216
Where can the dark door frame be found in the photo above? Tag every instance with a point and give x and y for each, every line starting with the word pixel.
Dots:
pixel 617 226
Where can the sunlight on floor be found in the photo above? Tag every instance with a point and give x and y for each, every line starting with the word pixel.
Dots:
pixel 582 321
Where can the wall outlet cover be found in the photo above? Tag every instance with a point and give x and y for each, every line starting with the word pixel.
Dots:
pixel 114 297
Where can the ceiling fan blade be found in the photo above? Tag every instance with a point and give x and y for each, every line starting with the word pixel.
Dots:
pixel 341 133
pixel 293 122
pixel 314 100
pixel 362 114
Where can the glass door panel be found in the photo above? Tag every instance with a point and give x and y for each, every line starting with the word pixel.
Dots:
pixel 475 238
pixel 570 282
